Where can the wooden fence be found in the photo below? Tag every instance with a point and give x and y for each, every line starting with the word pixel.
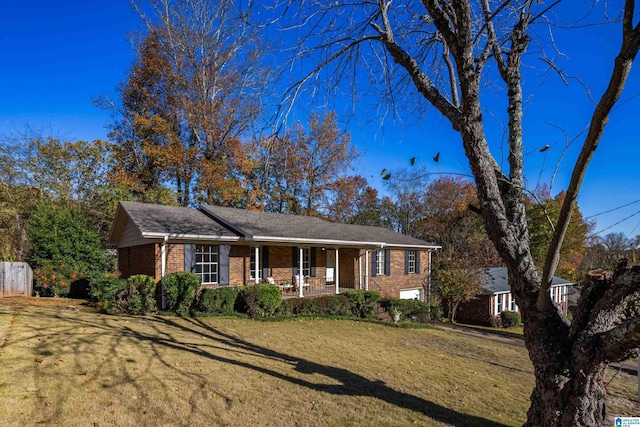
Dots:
pixel 16 278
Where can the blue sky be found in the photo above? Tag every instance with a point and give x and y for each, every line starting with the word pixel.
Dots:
pixel 58 56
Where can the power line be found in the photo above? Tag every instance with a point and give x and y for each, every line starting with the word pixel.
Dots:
pixel 611 210
pixel 613 225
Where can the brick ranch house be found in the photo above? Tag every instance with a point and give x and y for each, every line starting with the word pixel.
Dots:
pixel 302 255
pixel 496 298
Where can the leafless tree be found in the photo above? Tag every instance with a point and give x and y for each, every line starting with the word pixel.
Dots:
pixel 450 52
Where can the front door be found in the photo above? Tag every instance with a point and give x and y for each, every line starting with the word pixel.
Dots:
pixel 331 266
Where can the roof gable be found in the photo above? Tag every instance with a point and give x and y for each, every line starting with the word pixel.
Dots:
pixel 156 221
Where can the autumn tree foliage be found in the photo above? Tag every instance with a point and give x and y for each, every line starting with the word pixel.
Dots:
pixel 354 202
pixel 542 214
pixel 69 173
pixel 188 105
pixel 302 166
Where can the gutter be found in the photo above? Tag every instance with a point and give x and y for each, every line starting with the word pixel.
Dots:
pixel 155 235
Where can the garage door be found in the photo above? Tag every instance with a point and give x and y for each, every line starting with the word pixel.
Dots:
pixel 411 294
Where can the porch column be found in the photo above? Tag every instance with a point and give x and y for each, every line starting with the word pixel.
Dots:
pixel 337 272
pixel 257 266
pixel 366 270
pixel 300 281
pixel 359 272
pixel 163 257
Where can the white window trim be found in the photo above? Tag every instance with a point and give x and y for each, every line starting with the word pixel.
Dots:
pixel 306 262
pixel 411 262
pixel 380 262
pixel 213 270
pixel 500 303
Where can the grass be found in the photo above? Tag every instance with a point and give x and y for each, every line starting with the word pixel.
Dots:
pixel 67 365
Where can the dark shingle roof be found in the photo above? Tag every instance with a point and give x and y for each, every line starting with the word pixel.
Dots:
pixel 291 228
pixel 215 222
pixel 496 280
pixel 173 220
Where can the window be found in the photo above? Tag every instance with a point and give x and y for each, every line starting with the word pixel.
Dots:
pixel 411 262
pixel 252 265
pixel 500 303
pixel 380 263
pixel 513 306
pixel 129 257
pixel 306 267
pixel 207 263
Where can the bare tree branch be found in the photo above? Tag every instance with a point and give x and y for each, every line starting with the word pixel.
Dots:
pixel 622 67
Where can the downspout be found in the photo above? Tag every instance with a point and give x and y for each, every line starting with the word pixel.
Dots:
pixel 163 266
pixel 429 281
pixel 366 270
pixel 337 272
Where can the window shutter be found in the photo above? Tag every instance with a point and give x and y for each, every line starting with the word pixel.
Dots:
pixel 387 262
pixel 223 265
pixel 406 262
pixel 294 260
pixel 190 257
pixel 312 261
pixel 374 263
pixel 265 262
pixel 418 271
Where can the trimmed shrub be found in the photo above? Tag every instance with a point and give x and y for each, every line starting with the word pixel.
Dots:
pixel 300 305
pixel 217 301
pixel 105 289
pixel 180 291
pixel 141 296
pixel 137 295
pixel 363 303
pixel 510 318
pixel 262 299
pixel 285 308
pixel 332 305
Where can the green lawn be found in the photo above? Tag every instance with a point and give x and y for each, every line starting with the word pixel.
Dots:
pixel 60 365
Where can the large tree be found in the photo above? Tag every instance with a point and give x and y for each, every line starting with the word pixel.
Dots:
pixel 190 104
pixel 450 52
pixel 303 165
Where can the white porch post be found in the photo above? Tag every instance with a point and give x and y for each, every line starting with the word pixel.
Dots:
pixel 257 265
pixel 366 270
pixel 337 272
pixel 300 282
pixel 359 272
pixel 163 257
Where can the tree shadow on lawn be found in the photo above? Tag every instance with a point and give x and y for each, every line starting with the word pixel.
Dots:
pixel 350 384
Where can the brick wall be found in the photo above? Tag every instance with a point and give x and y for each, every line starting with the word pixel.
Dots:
pixel 396 280
pixel 239 265
pixel 137 260
pixel 175 258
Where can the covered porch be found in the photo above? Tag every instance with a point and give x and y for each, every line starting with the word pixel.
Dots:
pixel 310 271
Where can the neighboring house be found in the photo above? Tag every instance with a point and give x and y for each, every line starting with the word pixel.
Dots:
pixel 302 255
pixel 496 298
